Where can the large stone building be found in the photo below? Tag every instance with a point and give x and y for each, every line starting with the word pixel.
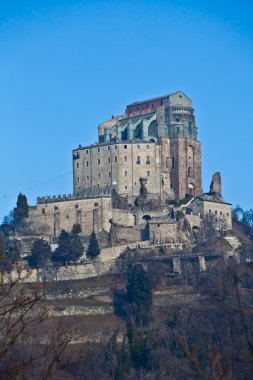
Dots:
pixel 150 156
pixel 155 139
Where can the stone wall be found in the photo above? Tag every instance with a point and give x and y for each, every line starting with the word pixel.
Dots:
pixel 123 217
pixel 221 212
pixel 118 164
pixel 50 217
pixel 162 232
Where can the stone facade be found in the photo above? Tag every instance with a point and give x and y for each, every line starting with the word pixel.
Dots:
pixel 162 231
pixel 53 214
pixel 220 211
pixel 155 139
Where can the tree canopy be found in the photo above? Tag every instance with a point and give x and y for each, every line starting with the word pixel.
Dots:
pixel 93 249
pixel 41 254
pixel 70 248
pixel 139 294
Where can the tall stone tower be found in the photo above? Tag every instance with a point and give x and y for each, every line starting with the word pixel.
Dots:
pixel 156 139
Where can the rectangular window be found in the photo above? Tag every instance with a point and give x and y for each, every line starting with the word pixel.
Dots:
pixel 228 214
pixel 78 179
pixel 148 160
pixel 126 173
pixel 77 165
pixel 109 160
pixel 147 146
pixel 87 178
pixel 125 158
pixel 138 160
pixel 116 147
pixel 98 175
pixel 115 159
pixel 126 187
pixel 98 150
pixel 43 211
pixel 216 212
pixel 108 148
pixel 96 204
pixel 87 152
pixel 125 146
pixel 138 146
pixel 56 208
pixel 210 211
pixel 220 212
pixel 148 173
pixel 99 161
pixel 87 163
pixel 109 174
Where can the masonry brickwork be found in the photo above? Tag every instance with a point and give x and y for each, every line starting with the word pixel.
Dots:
pixel 155 139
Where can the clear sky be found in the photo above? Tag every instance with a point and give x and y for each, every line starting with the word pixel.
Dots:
pixel 66 66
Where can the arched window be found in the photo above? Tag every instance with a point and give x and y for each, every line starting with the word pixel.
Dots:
pixel 189 172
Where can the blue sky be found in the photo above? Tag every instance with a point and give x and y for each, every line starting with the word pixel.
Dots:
pixel 66 66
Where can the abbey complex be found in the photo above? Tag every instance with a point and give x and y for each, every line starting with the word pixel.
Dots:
pixel 138 180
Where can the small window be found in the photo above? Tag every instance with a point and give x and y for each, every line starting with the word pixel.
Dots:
pixel 126 187
pixel 138 160
pixel 99 161
pixel 216 220
pixel 77 165
pixel 228 214
pixel 43 211
pixel 116 147
pixel 108 148
pixel 115 159
pixel 220 212
pixel 125 158
pixel 98 150
pixel 56 208
pixel 67 216
pixel 148 173
pixel 87 163
pixel 87 178
pixel 138 146
pixel 76 206
pixel 172 163
pixel 126 173
pixel 98 175
pixel 147 146
pixel 109 174
pixel 87 152
pixel 98 185
pixel 158 225
pixel 125 146
pixel 148 160
pixel 78 179
pixel 96 204
pixel 216 212
pixel 109 160
pixel 210 211
pixel 178 130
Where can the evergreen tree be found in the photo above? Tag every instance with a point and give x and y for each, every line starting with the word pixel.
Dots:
pixel 2 250
pixel 76 247
pixel 41 254
pixel 139 294
pixel 70 248
pixel 22 209
pixel 61 254
pixel 93 249
pixel 76 229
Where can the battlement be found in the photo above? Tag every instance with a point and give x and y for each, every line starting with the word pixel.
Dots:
pixel 87 194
